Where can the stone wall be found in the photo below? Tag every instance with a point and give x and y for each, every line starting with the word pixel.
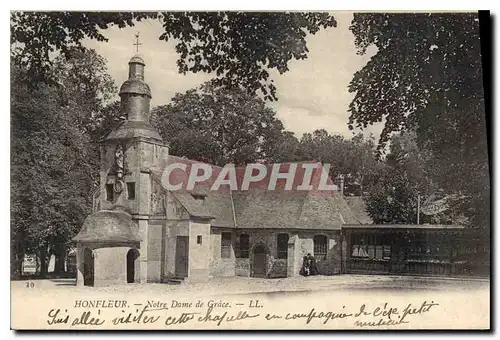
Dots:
pixel 173 229
pixel 294 256
pixel 154 253
pixel 221 266
pixel 275 267
pixel 109 264
pixel 303 245
pixel 333 263
pixel 139 156
pixel 242 267
pixel 199 247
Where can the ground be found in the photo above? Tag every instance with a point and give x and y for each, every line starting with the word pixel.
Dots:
pixel 243 285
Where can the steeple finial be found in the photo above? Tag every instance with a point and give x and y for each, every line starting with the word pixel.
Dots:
pixel 137 43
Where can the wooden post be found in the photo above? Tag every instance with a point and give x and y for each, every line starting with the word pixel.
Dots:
pixel 418 209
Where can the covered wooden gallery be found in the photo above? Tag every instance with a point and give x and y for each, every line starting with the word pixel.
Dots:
pixel 429 249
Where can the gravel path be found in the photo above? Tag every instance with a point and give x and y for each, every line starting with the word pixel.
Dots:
pixel 245 285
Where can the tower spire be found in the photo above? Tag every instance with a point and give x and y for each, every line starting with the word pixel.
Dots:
pixel 137 43
pixel 135 97
pixel 135 93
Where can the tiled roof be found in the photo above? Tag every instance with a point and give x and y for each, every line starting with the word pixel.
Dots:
pixel 193 207
pixel 297 210
pixel 258 207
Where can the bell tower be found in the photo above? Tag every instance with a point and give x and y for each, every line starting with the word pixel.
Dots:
pixel 127 154
pixel 129 150
pixel 112 246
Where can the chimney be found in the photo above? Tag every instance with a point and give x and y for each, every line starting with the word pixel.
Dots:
pixel 341 184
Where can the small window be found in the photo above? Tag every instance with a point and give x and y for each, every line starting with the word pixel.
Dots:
pixel 109 192
pixel 282 246
pixel 244 246
pixel 198 239
pixel 131 190
pixel 320 247
pixel 225 248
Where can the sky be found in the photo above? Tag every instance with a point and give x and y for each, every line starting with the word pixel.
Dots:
pixel 312 95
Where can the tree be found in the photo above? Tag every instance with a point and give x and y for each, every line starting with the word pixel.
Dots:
pixel 352 158
pixel 219 126
pixel 393 190
pixel 83 78
pixel 239 47
pixel 49 177
pixel 54 158
pixel 427 76
pixel 282 147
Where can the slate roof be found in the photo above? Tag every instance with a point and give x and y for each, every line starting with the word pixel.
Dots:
pixel 294 210
pixel 258 207
pixel 193 207
pixel 358 208
pixel 132 129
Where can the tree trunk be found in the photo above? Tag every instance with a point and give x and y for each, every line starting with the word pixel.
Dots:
pixel 17 264
pixel 60 257
pixel 43 261
pixel 16 255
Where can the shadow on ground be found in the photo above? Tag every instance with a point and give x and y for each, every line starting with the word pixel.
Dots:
pixel 64 282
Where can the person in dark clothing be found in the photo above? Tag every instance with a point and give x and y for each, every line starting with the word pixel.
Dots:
pixel 313 269
pixel 305 270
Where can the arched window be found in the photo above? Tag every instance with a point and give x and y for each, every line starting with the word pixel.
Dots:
pixel 320 247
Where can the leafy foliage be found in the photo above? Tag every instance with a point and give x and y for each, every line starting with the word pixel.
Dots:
pixel 421 59
pixel 353 158
pixel 219 126
pixel 427 76
pixel 37 36
pixel 239 47
pixel 54 158
pixel 393 190
pixel 242 46
pixel 49 176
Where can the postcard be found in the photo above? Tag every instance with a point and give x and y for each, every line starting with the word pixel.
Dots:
pixel 249 171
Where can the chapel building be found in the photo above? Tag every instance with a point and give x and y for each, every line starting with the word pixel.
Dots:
pixel 141 232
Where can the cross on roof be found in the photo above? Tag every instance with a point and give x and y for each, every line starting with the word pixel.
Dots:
pixel 137 43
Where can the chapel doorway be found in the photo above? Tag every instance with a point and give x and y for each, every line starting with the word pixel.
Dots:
pixel 132 264
pixel 259 261
pixel 88 267
pixel 181 256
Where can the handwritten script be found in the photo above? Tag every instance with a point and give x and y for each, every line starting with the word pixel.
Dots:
pixel 112 314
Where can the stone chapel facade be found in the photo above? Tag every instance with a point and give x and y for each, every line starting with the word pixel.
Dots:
pixel 145 233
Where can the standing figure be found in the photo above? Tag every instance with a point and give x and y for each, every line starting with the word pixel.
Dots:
pixel 313 269
pixel 304 271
